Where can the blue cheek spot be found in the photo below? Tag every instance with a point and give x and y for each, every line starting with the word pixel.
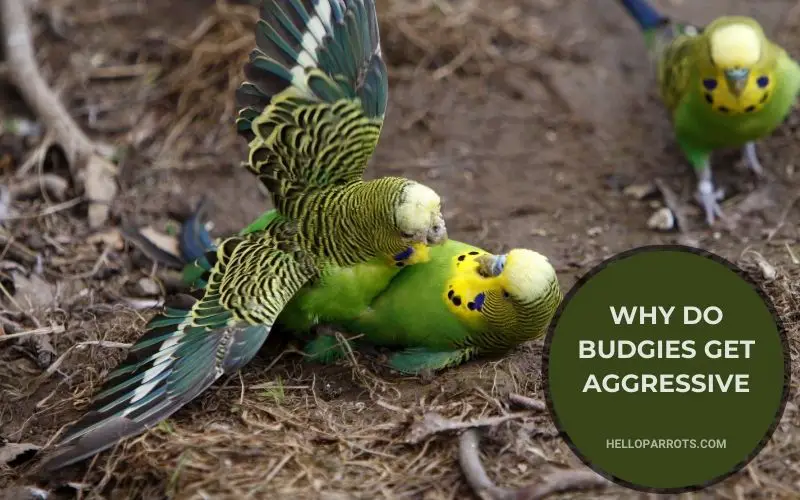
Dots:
pixel 479 300
pixel 710 83
pixel 763 81
pixel 404 254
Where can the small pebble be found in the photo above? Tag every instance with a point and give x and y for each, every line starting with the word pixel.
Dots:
pixel 148 287
pixel 662 220
pixel 640 191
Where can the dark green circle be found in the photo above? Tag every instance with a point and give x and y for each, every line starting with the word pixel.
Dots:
pixel 669 275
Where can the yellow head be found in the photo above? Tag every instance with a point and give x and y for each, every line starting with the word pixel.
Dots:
pixel 526 275
pixel 738 79
pixel 516 294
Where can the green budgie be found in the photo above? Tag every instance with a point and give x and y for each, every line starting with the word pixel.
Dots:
pixel 461 303
pixel 725 85
pixel 313 107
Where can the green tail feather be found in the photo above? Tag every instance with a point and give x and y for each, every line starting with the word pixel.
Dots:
pixel 165 369
pixel 416 360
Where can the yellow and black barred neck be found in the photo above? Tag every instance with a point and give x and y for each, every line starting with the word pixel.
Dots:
pixel 351 223
pixel 513 321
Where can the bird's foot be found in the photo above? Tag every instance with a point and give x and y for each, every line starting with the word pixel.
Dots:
pixel 751 158
pixel 708 197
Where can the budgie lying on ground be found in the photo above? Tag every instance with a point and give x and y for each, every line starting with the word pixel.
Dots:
pixel 313 111
pixel 725 85
pixel 461 303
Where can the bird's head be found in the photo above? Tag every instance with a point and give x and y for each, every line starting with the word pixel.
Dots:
pixel 522 275
pixel 736 47
pixel 514 294
pixel 418 216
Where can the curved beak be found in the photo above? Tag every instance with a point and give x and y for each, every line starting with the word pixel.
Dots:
pixel 491 266
pixel 437 234
pixel 737 80
pixel 498 265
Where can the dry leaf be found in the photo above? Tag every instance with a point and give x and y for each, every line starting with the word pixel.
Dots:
pixel 163 241
pixel 12 451
pixel 111 238
pixel 33 292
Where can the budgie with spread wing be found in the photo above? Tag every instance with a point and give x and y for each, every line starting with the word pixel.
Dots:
pixel 725 85
pixel 312 111
pixel 462 302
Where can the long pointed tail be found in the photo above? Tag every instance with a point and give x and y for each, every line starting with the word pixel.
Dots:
pixel 184 351
pixel 645 15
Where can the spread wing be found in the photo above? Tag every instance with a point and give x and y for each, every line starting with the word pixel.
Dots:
pixel 192 343
pixel 316 93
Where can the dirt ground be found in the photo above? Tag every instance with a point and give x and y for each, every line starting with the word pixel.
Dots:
pixel 529 117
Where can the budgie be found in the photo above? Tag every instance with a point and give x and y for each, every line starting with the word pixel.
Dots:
pixel 461 303
pixel 725 85
pixel 312 110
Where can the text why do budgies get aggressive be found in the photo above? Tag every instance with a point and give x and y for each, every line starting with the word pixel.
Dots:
pixel 712 349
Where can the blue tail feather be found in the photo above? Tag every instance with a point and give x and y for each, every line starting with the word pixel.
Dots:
pixel 194 240
pixel 644 14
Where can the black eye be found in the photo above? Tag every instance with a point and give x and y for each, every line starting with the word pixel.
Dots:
pixel 505 294
pixel 407 235
pixel 763 81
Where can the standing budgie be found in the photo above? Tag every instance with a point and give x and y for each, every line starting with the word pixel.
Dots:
pixel 725 85
pixel 313 110
pixel 461 303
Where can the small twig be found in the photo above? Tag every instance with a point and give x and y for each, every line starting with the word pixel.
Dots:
pixel 102 343
pixel 470 461
pixel 558 481
pixel 433 423
pixel 123 71
pixel 768 271
pixel 526 402
pixel 138 304
pixel 52 209
pixel 671 200
pixel 16 249
pixel 458 61
pixel 13 301
pixel 772 232
pixel 36 331
pixel 91 171
pixel 32 186
pixel 794 258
